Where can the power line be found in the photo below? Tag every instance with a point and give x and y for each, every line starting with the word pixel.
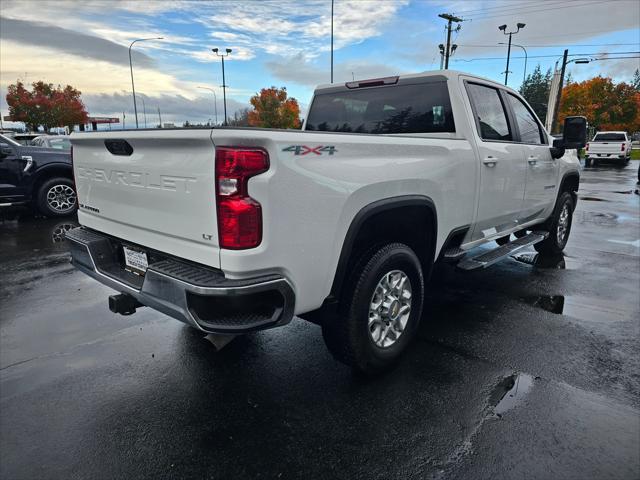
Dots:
pixel 558 46
pixel 545 56
pixel 573 5
pixel 512 6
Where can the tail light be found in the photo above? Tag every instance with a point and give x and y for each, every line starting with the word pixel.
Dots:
pixel 586 149
pixel 622 148
pixel 239 215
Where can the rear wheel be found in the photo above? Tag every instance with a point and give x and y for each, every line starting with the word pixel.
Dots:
pixel 380 310
pixel 57 197
pixel 558 226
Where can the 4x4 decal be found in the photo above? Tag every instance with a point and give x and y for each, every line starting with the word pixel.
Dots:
pixel 305 150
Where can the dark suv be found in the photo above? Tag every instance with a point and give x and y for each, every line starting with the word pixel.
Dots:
pixel 38 177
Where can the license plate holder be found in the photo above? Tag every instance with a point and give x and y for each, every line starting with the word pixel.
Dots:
pixel 135 259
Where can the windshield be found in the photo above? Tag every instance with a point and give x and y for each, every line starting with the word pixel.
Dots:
pixel 421 108
pixel 609 137
pixel 8 140
pixel 60 143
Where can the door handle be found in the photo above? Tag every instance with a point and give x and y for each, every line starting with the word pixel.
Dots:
pixel 532 160
pixel 490 161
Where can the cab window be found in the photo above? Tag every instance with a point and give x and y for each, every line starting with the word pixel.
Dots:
pixel 491 117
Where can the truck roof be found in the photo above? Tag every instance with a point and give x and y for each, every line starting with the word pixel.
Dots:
pixel 447 74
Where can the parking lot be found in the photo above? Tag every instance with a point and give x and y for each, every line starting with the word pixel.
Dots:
pixel 527 369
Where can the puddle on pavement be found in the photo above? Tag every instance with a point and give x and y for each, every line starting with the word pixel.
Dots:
pixel 537 260
pixel 510 392
pixel 598 218
pixel 586 309
pixel 593 199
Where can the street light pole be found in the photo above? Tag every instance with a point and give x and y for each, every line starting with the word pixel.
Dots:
pixel 503 29
pixel 224 83
pixel 133 88
pixel 144 109
pixel 215 101
pixel 524 76
pixel 332 41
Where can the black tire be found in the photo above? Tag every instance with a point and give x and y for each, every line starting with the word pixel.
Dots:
pixel 503 240
pixel 556 241
pixel 57 197
pixel 349 335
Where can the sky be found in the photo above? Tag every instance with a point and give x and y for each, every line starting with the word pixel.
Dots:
pixel 286 43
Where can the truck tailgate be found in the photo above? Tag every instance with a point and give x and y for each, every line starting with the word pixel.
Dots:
pixel 154 188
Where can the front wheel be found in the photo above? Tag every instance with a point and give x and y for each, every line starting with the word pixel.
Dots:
pixel 380 310
pixel 558 226
pixel 57 197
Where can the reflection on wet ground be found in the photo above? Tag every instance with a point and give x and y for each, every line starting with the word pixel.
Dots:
pixel 510 392
pixel 581 308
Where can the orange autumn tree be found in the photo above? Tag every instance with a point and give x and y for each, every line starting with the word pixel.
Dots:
pixel 273 109
pixel 45 105
pixel 607 106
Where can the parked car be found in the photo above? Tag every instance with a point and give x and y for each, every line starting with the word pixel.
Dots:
pixel 25 138
pixel 233 230
pixel 37 177
pixel 59 142
pixel 609 146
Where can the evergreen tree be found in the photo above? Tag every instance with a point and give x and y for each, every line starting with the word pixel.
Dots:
pixel 535 90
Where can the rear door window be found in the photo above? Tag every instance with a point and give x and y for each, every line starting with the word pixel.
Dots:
pixel 491 117
pixel 610 137
pixel 420 108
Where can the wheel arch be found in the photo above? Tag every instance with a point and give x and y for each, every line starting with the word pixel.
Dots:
pixel 363 232
pixel 570 183
pixel 48 172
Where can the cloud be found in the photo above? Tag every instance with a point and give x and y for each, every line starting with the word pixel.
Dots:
pixel 68 41
pixel 298 70
pixel 554 24
pixel 174 108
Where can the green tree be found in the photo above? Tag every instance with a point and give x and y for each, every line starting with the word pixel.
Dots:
pixel 636 80
pixel 535 90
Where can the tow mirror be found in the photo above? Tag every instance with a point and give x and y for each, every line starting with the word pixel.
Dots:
pixel 5 150
pixel 575 132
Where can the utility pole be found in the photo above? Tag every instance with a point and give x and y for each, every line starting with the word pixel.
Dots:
pixel 124 121
pixel 224 83
pixel 159 117
pixel 554 124
pixel 450 18
pixel 332 41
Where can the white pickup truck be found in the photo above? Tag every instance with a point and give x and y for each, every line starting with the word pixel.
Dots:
pixel 233 230
pixel 608 146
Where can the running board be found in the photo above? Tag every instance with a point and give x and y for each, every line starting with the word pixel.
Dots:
pixel 493 256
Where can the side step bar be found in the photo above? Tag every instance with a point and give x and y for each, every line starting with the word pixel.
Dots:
pixel 493 256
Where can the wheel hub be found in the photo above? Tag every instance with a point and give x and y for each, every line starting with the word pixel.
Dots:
pixel 390 308
pixel 61 198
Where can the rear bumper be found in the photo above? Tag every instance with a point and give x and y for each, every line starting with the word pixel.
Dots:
pixel 196 295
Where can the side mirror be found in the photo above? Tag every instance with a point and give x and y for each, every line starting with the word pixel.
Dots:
pixel 5 150
pixel 557 150
pixel 575 132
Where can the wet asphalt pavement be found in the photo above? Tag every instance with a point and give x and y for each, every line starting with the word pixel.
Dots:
pixel 530 369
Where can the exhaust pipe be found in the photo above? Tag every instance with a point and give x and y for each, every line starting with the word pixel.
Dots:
pixel 124 304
